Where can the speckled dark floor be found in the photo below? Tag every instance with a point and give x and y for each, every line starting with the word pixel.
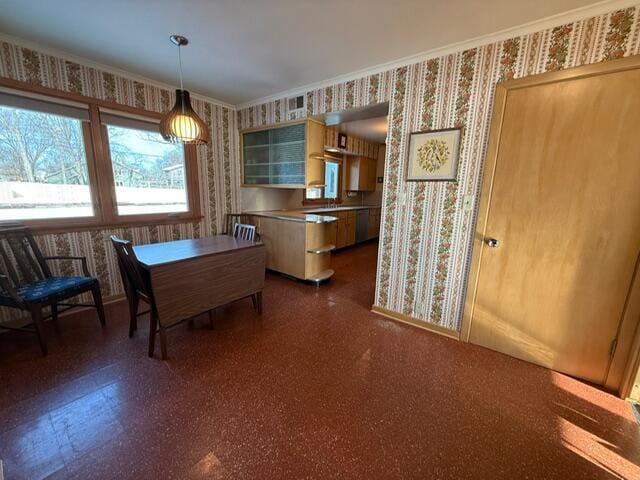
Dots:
pixel 317 387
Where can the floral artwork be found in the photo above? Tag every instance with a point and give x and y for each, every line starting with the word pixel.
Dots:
pixel 434 155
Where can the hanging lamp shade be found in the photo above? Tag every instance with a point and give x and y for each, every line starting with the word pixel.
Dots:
pixel 182 124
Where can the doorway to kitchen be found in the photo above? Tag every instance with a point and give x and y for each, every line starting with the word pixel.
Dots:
pixel 354 156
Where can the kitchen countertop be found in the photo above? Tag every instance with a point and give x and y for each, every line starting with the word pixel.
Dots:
pixel 338 209
pixel 294 216
pixel 309 215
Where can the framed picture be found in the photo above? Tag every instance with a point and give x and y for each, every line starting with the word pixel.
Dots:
pixel 433 155
pixel 342 140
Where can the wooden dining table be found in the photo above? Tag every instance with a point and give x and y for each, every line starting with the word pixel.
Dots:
pixel 190 277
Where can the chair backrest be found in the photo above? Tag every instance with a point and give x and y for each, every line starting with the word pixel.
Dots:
pixel 130 270
pixel 233 218
pixel 20 257
pixel 246 232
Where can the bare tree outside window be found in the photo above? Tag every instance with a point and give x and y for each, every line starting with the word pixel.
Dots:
pixel 149 173
pixel 43 166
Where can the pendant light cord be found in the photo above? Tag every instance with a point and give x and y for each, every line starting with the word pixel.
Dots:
pixel 180 65
pixel 180 69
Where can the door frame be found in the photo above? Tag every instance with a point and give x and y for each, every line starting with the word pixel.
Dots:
pixel 626 359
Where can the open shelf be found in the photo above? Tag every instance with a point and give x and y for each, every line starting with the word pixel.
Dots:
pixel 319 277
pixel 322 249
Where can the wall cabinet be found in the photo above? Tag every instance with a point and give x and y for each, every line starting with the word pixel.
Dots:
pixel 283 156
pixel 362 174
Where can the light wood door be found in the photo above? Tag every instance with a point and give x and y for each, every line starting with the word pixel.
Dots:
pixel 341 229
pixel 370 175
pixel 351 228
pixel 564 205
pixel 374 222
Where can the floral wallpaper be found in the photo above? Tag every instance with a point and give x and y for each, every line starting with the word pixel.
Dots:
pixel 217 162
pixel 426 236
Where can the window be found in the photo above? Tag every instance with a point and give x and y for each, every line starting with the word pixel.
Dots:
pixel 67 160
pixel 332 184
pixel 43 160
pixel 148 173
pixel 331 180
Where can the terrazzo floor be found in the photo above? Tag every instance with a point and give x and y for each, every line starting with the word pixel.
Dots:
pixel 318 387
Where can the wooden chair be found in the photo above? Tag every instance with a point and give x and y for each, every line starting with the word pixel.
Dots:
pixel 26 282
pixel 137 287
pixel 246 232
pixel 232 218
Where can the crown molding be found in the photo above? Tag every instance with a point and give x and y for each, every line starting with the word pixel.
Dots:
pixel 21 42
pixel 594 9
pixel 570 16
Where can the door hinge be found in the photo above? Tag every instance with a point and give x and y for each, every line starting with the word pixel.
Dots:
pixel 614 345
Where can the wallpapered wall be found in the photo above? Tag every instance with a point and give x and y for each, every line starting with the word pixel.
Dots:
pixel 217 163
pixel 426 236
pixel 356 145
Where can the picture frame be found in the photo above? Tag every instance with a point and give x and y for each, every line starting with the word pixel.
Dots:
pixel 433 155
pixel 342 141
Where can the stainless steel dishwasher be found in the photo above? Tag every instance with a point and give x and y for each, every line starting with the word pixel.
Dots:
pixel 362 225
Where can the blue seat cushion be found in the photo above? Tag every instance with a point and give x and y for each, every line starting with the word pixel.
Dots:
pixel 51 286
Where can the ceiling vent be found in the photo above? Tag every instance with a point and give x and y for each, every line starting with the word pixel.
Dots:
pixel 296 106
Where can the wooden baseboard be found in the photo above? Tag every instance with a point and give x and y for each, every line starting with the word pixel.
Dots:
pixel 401 317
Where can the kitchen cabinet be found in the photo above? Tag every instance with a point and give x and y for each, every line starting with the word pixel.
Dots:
pixel 341 231
pixel 283 156
pixel 374 222
pixel 347 232
pixel 351 228
pixel 297 245
pixel 345 228
pixel 362 174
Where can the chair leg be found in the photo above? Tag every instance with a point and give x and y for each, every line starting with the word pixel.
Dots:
pixel 254 301
pixel 212 314
pixel 153 327
pixel 133 314
pixel 36 316
pixel 163 342
pixel 259 301
pixel 97 300
pixel 54 317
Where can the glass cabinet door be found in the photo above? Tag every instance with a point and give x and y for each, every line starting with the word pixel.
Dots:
pixel 275 156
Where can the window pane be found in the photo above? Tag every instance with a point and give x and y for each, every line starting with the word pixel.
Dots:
pixel 331 180
pixel 149 173
pixel 43 166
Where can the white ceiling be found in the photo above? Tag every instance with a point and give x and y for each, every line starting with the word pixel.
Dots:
pixel 247 49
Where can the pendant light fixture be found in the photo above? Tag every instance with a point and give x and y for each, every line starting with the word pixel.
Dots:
pixel 182 123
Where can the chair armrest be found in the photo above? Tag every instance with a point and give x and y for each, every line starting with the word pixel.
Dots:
pixel 6 285
pixel 85 268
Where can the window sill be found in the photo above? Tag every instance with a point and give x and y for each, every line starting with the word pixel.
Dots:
pixel 56 226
